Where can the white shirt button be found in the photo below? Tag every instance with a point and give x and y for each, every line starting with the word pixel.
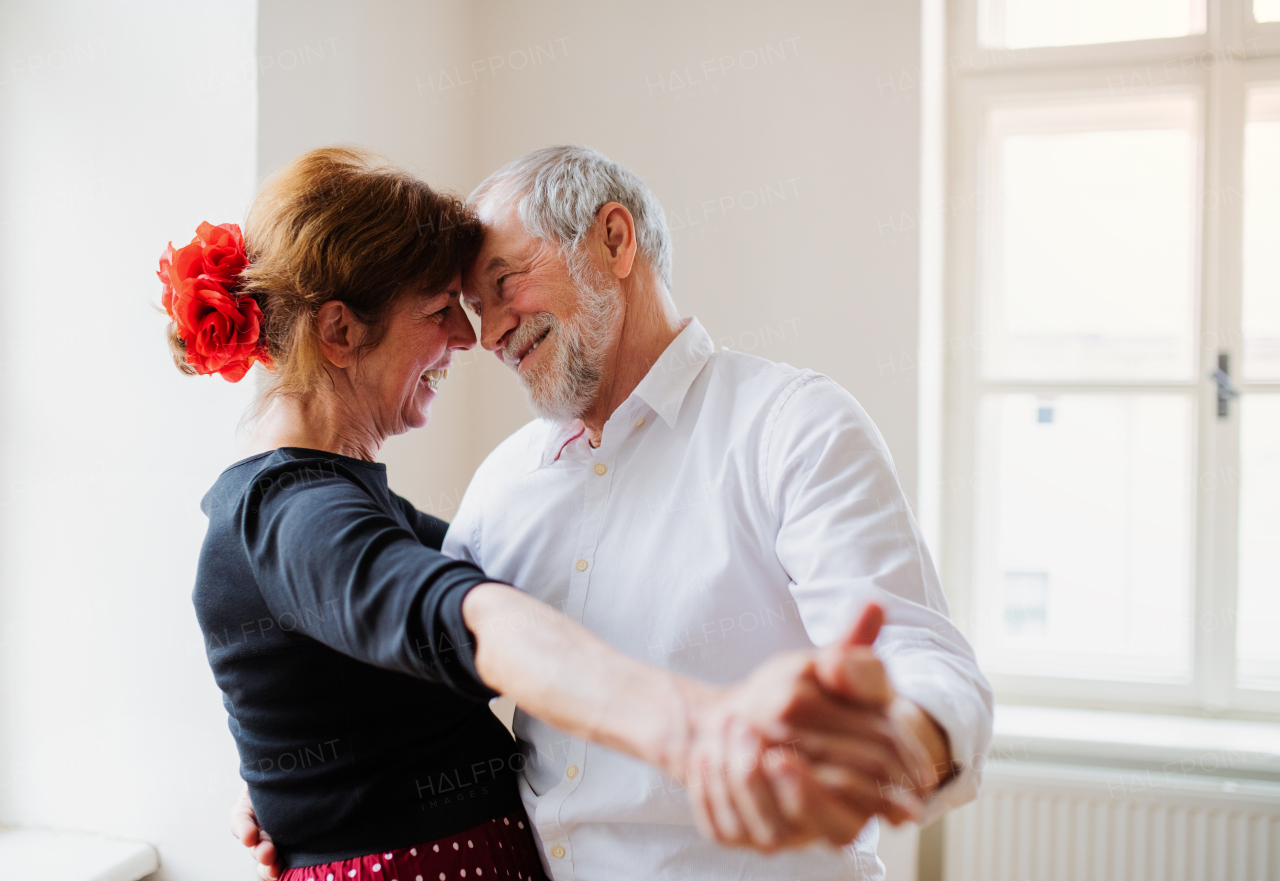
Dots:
pixel 582 565
pixel 557 852
pixel 572 772
pixel 640 422
pixel 601 468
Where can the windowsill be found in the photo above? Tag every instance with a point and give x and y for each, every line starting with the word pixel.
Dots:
pixel 1219 747
pixel 73 856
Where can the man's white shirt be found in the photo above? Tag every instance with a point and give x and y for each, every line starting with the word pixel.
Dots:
pixel 734 508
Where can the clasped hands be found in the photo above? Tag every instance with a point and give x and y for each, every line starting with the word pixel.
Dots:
pixel 808 748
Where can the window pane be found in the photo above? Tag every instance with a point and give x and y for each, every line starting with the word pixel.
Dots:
pixel 1266 10
pixel 1018 24
pixel 1257 645
pixel 1261 306
pixel 1090 258
pixel 1084 535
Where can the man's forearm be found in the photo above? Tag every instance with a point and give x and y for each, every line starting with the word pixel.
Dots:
pixel 557 670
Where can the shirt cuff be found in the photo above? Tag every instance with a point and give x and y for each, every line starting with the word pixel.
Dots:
pixel 967 721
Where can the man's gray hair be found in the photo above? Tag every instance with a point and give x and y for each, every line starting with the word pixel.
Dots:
pixel 560 189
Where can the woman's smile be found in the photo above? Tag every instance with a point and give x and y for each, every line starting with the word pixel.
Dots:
pixel 433 378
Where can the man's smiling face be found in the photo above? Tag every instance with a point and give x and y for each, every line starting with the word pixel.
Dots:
pixel 553 324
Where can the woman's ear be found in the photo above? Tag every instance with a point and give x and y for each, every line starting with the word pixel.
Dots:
pixel 340 333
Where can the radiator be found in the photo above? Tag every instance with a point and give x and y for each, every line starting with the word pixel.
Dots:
pixel 1039 822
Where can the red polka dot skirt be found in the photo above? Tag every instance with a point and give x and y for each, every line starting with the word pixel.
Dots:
pixel 500 849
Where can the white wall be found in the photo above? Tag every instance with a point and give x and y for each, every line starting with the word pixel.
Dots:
pixel 123 127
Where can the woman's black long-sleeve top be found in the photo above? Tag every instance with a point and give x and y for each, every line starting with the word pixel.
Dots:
pixel 334 628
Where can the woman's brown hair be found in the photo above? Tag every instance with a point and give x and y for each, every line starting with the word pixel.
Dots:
pixel 341 223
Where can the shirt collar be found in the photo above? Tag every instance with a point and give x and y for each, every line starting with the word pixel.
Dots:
pixel 558 437
pixel 665 385
pixel 663 388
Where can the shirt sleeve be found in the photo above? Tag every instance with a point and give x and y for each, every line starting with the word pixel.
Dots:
pixel 846 537
pixel 320 544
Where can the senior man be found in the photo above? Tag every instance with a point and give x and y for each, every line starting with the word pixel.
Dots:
pixel 697 509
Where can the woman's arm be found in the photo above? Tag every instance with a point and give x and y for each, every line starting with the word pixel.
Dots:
pixel 568 677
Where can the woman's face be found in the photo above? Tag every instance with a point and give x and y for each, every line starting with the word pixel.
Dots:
pixel 397 379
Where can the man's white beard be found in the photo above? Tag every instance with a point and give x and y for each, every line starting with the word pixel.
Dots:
pixel 565 387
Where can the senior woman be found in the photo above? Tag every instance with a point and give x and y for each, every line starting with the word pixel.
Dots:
pixel 356 660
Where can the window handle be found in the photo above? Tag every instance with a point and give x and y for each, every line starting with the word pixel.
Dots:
pixel 1226 388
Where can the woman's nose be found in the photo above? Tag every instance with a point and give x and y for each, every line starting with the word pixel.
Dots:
pixel 461 335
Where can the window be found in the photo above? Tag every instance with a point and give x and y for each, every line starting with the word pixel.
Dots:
pixel 1023 23
pixel 1258 649
pixel 1112 507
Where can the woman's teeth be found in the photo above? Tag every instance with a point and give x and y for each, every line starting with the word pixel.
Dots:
pixel 433 378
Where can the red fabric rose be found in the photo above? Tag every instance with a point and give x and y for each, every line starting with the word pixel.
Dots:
pixel 222 331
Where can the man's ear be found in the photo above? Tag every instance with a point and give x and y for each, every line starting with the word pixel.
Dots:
pixel 617 238
pixel 339 332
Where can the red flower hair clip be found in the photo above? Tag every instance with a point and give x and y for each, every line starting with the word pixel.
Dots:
pixel 222 331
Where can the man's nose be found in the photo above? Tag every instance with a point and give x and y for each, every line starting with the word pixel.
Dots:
pixel 496 321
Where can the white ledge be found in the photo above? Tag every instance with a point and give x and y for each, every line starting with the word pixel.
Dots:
pixel 1207 746
pixel 73 856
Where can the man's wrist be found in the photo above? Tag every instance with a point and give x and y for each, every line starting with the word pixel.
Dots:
pixel 933 738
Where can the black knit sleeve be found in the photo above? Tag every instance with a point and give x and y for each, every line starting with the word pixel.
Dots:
pixel 430 530
pixel 327 554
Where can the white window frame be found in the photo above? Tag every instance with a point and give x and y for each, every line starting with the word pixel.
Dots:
pixel 1234 52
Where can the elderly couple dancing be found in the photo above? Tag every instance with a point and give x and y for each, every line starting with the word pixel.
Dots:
pixel 695 574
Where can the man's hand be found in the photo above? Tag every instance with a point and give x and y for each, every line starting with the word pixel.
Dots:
pixel 806 748
pixel 858 676
pixel 244 826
